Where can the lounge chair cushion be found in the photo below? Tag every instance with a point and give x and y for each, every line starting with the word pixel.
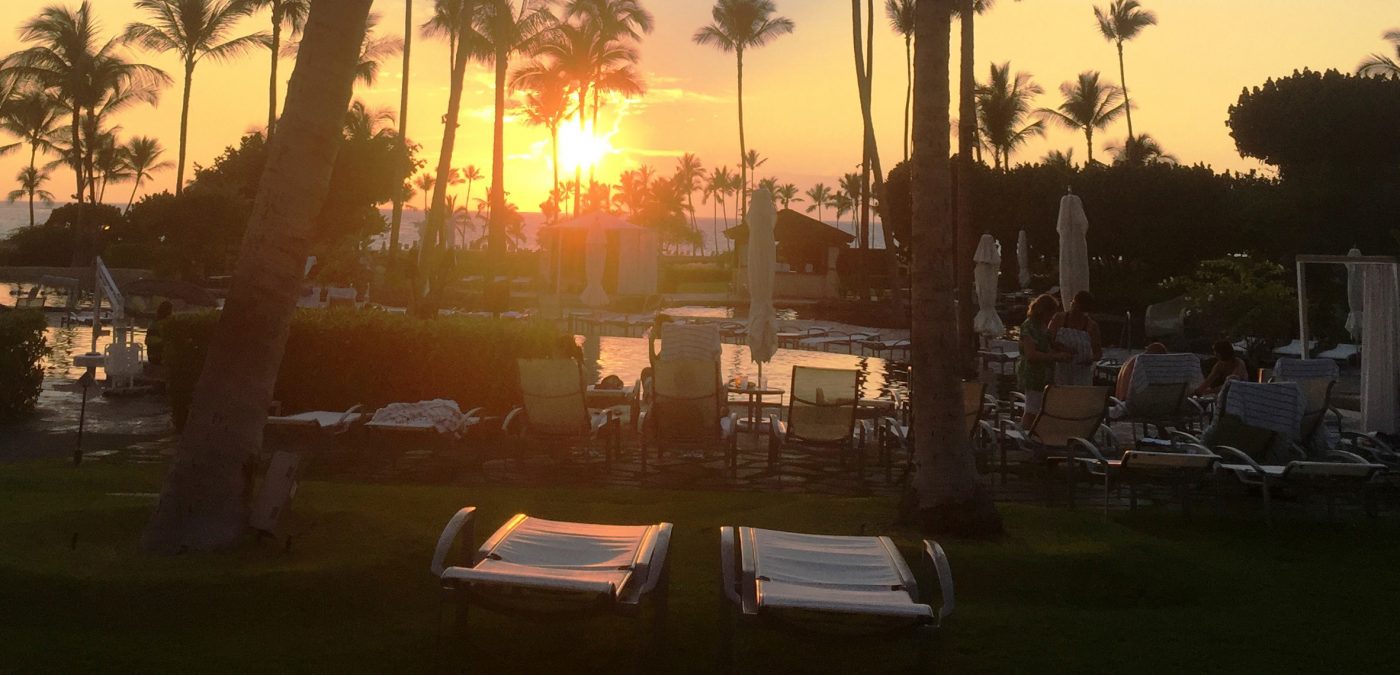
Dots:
pixel 564 556
pixel 850 575
pixel 321 419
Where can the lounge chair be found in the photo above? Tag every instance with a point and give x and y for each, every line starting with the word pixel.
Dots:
pixel 325 421
pixel 1343 353
pixel 1255 432
pixel 687 408
pixel 836 338
pixel 1070 418
pixel 1294 349
pixel 1159 394
pixel 827 584
pixel 341 296
pixel 821 414
pixel 548 569
pixel 555 409
pixel 1181 471
pixel 435 426
pixel 1317 377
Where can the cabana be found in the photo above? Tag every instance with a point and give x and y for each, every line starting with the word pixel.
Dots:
pixel 807 253
pixel 628 269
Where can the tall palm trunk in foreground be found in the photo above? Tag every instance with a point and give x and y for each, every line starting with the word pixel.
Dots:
pixel 436 256
pixel 967 138
pixel 396 221
pixel 203 503
pixel 949 497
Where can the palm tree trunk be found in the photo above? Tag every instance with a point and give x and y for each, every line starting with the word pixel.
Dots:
pixel 554 153
pixel 396 220
pixel 908 89
pixel 184 127
pixel 742 210
pixel 31 208
pixel 437 220
pixel 77 159
pixel 949 497
pixel 496 192
pixel 1123 78
pixel 966 237
pixel 272 70
pixel 134 188
pixel 203 504
pixel 1089 141
pixel 578 169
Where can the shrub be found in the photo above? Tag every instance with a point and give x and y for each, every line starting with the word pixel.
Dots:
pixel 336 359
pixel 22 349
pixel 1240 298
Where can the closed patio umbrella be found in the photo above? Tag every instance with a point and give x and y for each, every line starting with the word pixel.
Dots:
pixel 1074 250
pixel 1380 351
pixel 763 260
pixel 1356 294
pixel 985 273
pixel 1023 258
pixel 595 256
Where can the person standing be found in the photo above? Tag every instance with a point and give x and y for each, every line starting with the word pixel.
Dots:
pixel 1039 354
pixel 1078 334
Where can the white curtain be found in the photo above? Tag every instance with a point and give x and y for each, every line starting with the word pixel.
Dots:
pixel 1380 351
pixel 1356 296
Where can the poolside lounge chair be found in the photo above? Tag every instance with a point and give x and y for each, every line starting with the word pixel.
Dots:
pixel 821 414
pixel 1294 349
pixel 827 584
pixel 31 300
pixel 1182 471
pixel 1070 418
pixel 338 296
pixel 327 421
pixel 545 569
pixel 435 426
pixel 1159 393
pixel 688 409
pixel 1344 353
pixel 836 338
pixel 1317 377
pixel 555 409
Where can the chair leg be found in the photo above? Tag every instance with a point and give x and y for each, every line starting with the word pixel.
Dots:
pixel 460 634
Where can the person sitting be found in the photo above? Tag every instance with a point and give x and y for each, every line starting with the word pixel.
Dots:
pixel 1077 333
pixel 1228 366
pixel 1039 354
pixel 1123 387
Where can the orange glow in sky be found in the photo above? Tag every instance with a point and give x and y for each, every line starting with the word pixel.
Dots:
pixel 802 111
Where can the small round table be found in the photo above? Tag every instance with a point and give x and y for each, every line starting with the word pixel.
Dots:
pixel 755 422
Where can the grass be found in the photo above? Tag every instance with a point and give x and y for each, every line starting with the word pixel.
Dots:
pixel 1062 592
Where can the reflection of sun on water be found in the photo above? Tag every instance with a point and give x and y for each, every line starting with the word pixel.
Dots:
pixel 581 148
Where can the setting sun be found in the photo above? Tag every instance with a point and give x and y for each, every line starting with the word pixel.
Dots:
pixel 581 148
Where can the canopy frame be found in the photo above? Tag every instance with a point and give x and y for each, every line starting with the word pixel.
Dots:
pixel 1302 263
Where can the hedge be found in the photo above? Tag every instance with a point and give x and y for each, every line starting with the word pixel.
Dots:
pixel 22 351
pixel 339 358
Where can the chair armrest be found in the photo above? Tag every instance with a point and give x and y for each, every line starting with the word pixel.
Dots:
pixel 1090 447
pixel 938 561
pixel 1179 436
pixel 461 521
pixel 344 422
pixel 1114 401
pixel 515 413
pixel 1348 457
pixel 776 427
pixel 1238 456
pixel 728 562
pixel 653 555
pixel 471 418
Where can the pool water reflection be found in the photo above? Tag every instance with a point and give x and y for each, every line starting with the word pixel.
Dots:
pixel 626 357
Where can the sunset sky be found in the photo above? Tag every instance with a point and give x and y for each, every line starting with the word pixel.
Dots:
pixel 802 110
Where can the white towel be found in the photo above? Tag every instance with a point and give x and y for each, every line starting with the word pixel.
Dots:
pixel 1081 371
pixel 1294 370
pixel 442 415
pixel 1274 406
pixel 1153 369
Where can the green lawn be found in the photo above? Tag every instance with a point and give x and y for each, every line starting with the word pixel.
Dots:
pixel 1063 592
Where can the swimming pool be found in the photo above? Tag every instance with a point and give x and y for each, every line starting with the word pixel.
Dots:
pixel 626 357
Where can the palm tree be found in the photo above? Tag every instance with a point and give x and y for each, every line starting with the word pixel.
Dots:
pixel 1140 150
pixel 396 217
pixel 503 31
pixel 787 194
pixel 582 55
pixel 203 504
pixel 843 204
pixel 852 186
pixel 434 261
pixel 901 16
pixel 1089 104
pixel 424 183
pixel 143 159
pixel 1059 158
pixel 363 124
pixel 613 19
pixel 1380 64
pixel 290 14
pixel 547 105
pixel 738 26
pixel 948 495
pixel 108 164
pixel 752 160
pixel 820 195
pixel 373 50
pixel 1122 21
pixel 195 30
pixel 469 175
pixel 1003 104
pixel 69 60
pixel 31 182
pixel 689 173
pixel 33 118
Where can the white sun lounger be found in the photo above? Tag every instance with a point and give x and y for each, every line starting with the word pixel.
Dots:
pixel 541 568
pixel 321 420
pixel 1295 349
pixel 1344 353
pixel 826 582
pixel 1342 472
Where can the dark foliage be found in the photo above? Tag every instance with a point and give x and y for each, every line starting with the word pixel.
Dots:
pixel 22 349
pixel 336 359
pixel 59 241
pixel 1314 122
